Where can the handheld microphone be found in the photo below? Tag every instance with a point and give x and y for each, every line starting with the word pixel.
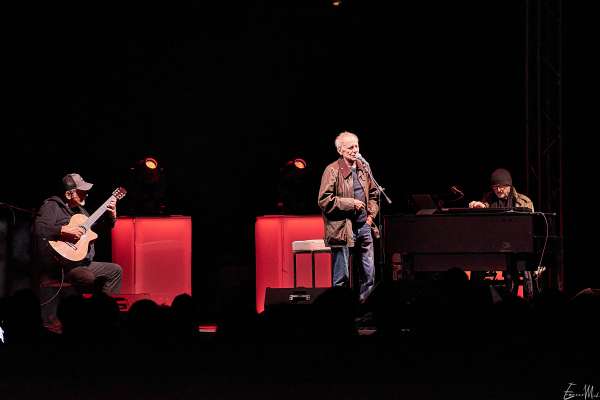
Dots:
pixel 457 191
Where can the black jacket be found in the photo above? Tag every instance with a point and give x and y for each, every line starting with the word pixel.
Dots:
pixel 51 216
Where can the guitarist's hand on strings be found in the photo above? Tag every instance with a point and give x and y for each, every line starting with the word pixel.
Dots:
pixel 71 233
pixel 111 207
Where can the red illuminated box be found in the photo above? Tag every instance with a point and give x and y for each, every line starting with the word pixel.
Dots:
pixel 156 256
pixel 274 235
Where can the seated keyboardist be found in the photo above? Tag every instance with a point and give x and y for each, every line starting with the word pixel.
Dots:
pixel 504 195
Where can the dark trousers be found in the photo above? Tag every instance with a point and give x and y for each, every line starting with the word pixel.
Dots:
pixel 97 276
pixel 363 258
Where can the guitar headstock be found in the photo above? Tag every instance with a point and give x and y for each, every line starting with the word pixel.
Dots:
pixel 119 193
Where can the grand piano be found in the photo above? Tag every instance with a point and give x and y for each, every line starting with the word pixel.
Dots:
pixel 470 239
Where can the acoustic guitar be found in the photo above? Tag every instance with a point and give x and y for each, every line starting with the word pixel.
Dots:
pixel 78 250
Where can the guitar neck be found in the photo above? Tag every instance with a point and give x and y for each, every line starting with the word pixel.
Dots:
pixel 97 214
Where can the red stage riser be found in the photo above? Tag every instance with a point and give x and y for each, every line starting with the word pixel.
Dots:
pixel 156 256
pixel 274 235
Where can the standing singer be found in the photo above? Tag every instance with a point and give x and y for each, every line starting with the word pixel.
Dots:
pixel 348 199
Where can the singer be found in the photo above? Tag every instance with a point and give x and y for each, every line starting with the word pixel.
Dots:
pixel 504 195
pixel 348 199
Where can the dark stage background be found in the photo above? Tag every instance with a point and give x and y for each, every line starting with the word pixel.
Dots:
pixel 224 95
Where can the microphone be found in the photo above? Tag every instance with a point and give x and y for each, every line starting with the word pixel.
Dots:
pixel 457 191
pixel 361 158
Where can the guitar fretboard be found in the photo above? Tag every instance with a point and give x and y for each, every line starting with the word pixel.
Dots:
pixel 97 214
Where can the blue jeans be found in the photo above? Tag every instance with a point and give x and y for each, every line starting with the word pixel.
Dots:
pixel 363 261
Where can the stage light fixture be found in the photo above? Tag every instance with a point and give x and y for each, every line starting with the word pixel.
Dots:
pixel 299 163
pixel 147 187
pixel 150 163
pixel 294 181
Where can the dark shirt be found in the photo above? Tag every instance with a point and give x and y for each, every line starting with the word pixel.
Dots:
pixel 360 217
pixel 501 203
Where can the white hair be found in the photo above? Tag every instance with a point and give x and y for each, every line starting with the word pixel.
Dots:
pixel 341 136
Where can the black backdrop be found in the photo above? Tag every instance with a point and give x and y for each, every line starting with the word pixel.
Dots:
pixel 222 96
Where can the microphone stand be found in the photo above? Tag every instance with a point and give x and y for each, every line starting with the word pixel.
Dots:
pixel 380 190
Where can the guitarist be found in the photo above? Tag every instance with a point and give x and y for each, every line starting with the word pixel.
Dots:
pixel 51 223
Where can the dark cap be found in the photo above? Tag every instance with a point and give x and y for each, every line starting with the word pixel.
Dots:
pixel 75 181
pixel 501 177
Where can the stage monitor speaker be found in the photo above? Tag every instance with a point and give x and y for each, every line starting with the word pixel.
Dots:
pixel 291 296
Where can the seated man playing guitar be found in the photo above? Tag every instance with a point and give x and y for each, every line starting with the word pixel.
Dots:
pixel 64 239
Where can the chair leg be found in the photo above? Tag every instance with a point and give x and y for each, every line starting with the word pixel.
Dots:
pixel 312 254
pixel 294 269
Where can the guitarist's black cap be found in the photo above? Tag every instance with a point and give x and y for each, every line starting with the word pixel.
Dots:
pixel 75 181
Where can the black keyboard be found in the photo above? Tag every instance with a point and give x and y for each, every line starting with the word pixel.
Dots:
pixel 466 210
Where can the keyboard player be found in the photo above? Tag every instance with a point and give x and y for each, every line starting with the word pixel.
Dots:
pixel 504 195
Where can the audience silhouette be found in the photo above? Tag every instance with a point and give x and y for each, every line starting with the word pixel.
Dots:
pixel 444 328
